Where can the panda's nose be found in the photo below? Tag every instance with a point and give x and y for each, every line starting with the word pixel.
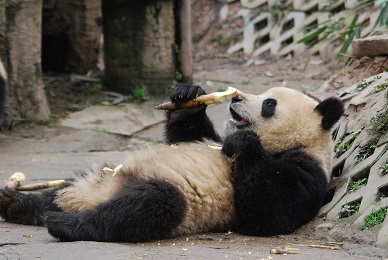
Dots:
pixel 237 99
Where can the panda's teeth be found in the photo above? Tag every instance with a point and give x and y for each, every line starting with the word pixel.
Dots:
pixel 242 122
pixel 239 122
pixel 237 119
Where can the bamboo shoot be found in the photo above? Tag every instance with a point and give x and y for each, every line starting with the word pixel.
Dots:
pixel 40 186
pixel 15 180
pixel 209 99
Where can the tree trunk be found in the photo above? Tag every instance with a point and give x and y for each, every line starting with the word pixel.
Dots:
pixel 139 39
pixel 185 51
pixel 20 22
pixel 71 34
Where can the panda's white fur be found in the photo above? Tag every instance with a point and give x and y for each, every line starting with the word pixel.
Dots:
pixel 206 186
pixel 187 186
pixel 296 124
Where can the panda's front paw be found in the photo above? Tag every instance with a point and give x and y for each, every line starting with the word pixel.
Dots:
pixel 183 93
pixel 241 142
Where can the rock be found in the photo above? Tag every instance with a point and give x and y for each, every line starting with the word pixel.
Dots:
pixel 371 46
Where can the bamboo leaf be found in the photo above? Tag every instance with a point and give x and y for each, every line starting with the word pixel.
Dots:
pixel 382 2
pixel 352 31
pixel 346 45
pixel 364 3
pixel 354 21
pixel 382 19
pixel 313 35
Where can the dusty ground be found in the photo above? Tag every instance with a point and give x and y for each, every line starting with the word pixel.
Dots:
pixel 77 140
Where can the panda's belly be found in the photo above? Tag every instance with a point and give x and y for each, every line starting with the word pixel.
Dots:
pixel 88 191
pixel 204 176
pixel 202 173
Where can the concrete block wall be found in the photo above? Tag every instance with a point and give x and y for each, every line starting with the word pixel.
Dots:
pixel 361 105
pixel 269 28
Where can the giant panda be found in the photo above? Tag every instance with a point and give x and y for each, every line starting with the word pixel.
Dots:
pixel 268 178
pixel 3 87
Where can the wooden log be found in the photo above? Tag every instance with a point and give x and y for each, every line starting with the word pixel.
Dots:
pixel 185 51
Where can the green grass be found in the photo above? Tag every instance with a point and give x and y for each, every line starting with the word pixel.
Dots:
pixel 94 86
pixel 178 76
pixel 349 209
pixel 221 89
pixel 383 169
pixel 334 134
pixel 103 130
pixel 140 93
pixel 374 218
pixel 363 84
pixel 380 88
pixel 380 123
pixel 366 151
pixel 303 91
pixel 342 146
pixel 168 90
pixel 178 79
pixel 358 184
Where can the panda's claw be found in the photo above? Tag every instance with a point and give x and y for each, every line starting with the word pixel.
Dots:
pixel 182 93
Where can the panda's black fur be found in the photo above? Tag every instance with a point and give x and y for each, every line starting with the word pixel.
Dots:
pixel 276 183
pixel 271 186
pixel 185 126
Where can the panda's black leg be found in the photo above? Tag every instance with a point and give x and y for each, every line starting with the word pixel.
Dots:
pixel 25 208
pixel 143 211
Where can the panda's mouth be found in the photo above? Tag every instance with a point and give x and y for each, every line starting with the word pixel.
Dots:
pixel 237 119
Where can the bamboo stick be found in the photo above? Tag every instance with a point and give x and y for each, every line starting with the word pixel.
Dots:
pixel 284 250
pixel 325 247
pixel 209 99
pixel 40 186
pixel 15 180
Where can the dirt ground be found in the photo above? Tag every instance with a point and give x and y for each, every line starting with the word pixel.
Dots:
pixel 66 97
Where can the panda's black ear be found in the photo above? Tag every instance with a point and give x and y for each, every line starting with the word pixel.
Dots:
pixel 331 110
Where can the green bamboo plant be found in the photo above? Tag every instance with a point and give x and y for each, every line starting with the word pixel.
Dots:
pixel 330 28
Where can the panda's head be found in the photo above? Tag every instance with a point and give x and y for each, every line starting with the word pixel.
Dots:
pixel 286 119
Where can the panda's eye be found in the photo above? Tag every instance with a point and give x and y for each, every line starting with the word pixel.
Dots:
pixel 270 102
pixel 268 107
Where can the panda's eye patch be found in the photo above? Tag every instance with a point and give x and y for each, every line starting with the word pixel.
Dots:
pixel 268 107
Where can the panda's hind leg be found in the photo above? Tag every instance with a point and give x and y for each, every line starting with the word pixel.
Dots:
pixel 27 208
pixel 142 211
